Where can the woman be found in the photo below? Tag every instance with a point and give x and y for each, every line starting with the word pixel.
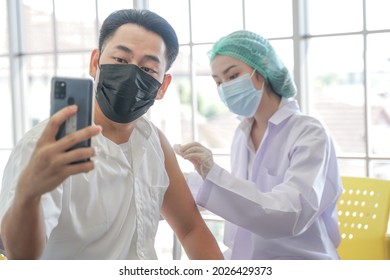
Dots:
pixel 279 201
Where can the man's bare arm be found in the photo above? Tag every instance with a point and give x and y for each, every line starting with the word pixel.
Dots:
pixel 181 212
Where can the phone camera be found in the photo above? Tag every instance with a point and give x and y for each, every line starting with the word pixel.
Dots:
pixel 60 89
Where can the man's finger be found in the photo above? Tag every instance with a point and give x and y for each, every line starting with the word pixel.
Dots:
pixel 76 137
pixel 56 121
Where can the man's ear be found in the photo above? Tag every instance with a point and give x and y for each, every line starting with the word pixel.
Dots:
pixel 94 62
pixel 164 86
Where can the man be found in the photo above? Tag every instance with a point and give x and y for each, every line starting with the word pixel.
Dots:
pixel 107 208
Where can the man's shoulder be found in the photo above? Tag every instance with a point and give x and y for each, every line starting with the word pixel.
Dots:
pixel 37 130
pixel 147 128
pixel 34 133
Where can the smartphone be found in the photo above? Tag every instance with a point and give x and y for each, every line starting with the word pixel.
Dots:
pixel 68 91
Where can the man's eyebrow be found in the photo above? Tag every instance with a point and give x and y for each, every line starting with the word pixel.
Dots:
pixel 147 57
pixel 150 57
pixel 225 71
pixel 124 48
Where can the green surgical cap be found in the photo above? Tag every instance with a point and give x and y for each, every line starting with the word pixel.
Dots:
pixel 258 53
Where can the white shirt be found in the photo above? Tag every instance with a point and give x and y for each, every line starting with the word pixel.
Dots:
pixel 287 208
pixel 112 212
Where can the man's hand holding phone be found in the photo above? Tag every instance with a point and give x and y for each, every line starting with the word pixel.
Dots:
pixel 64 148
pixel 52 160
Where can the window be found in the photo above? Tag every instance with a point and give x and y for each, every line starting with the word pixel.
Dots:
pixel 349 67
pixel 6 141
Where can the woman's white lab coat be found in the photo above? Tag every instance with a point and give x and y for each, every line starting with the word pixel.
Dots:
pixel 287 209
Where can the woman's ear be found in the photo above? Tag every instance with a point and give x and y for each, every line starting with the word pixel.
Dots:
pixel 164 86
pixel 260 81
pixel 94 62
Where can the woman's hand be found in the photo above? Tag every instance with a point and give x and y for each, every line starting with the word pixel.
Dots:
pixel 198 155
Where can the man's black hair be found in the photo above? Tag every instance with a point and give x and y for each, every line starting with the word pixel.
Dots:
pixel 146 19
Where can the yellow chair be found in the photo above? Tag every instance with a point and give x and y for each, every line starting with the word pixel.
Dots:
pixel 363 212
pixel 2 251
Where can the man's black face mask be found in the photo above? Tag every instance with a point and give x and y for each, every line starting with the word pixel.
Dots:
pixel 125 92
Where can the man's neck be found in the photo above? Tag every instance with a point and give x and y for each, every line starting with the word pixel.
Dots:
pixel 118 133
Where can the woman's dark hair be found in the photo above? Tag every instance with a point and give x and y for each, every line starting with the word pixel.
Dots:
pixel 146 19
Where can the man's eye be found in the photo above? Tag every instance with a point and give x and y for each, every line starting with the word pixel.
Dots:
pixel 148 70
pixel 120 60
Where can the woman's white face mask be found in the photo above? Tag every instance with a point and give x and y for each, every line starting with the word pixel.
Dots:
pixel 240 95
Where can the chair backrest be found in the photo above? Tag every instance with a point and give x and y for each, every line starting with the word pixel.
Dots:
pixel 363 212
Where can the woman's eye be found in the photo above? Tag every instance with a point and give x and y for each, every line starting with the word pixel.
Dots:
pixel 120 60
pixel 233 77
pixel 148 70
